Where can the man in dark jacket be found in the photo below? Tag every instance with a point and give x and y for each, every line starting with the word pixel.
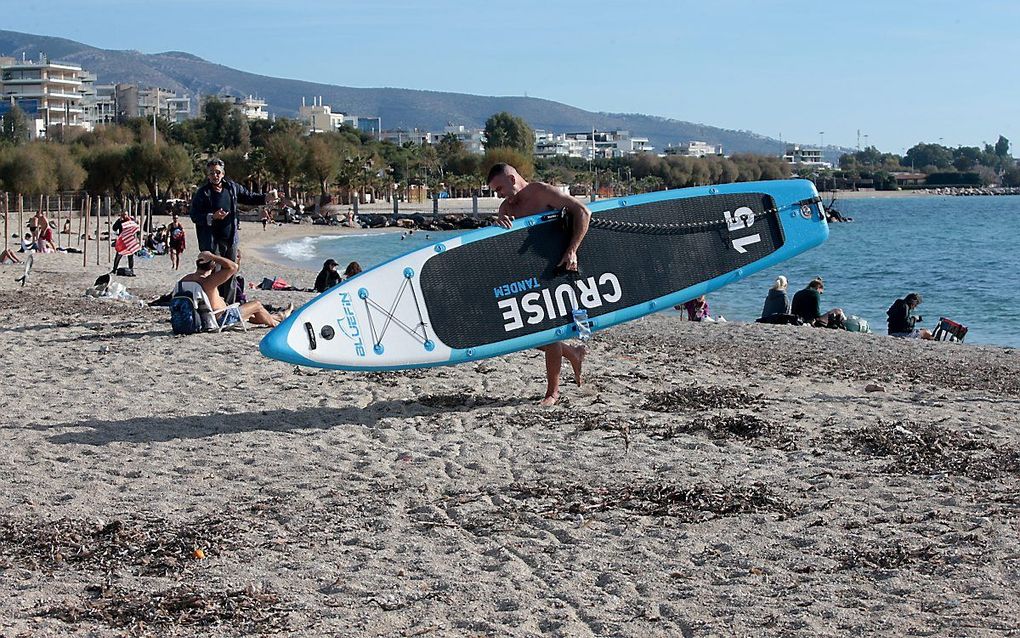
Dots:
pixel 901 322
pixel 214 211
pixel 807 304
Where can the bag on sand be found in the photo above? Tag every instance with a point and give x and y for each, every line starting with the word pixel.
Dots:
pixel 856 324
pixel 185 318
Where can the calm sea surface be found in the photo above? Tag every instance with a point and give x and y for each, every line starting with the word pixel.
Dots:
pixel 958 252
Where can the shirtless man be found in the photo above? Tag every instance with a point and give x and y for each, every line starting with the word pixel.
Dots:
pixel 536 198
pixel 207 276
pixel 43 233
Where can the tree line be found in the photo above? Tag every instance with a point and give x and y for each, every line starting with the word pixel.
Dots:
pixel 985 165
pixel 132 158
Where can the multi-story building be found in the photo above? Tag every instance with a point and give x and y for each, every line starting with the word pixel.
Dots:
pixel 253 108
pixel 549 144
pixel 134 101
pixel 371 125
pixel 401 136
pixel 108 103
pixel 319 118
pixel 48 93
pixel 597 144
pixel 806 156
pixel 99 101
pixel 473 139
pixel 694 149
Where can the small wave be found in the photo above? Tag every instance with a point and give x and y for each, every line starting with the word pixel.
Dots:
pixel 299 249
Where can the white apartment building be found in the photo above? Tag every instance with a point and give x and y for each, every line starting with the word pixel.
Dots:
pixel 806 156
pixel 473 139
pixel 597 144
pixel 253 108
pixel 49 93
pixel 694 149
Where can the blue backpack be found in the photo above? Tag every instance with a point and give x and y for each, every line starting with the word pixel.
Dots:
pixel 185 318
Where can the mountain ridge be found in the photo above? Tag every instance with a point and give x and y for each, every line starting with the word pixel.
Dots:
pixel 189 74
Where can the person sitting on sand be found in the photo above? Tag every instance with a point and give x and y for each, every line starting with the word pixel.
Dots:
pixel 328 276
pixel 776 302
pixel 353 268
pixel 522 198
pixel 697 309
pixel 27 243
pixel 807 304
pixel 901 322
pixel 212 271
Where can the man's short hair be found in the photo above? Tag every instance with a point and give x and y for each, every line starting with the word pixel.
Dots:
pixel 498 169
pixel 913 298
pixel 215 161
pixel 203 265
pixel 816 283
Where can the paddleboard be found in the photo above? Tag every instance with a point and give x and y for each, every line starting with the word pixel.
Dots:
pixel 494 291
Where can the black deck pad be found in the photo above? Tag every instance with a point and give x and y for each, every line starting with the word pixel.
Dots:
pixel 508 286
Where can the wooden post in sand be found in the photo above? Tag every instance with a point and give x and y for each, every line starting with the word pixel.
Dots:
pixel 99 219
pixel 7 232
pixel 81 220
pixel 85 215
pixel 58 219
pixel 108 205
pixel 21 216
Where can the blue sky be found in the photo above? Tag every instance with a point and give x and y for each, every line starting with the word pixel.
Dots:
pixel 900 72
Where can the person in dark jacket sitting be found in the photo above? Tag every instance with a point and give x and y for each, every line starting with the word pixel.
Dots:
pixel 807 304
pixel 776 302
pixel 328 276
pixel 901 322
pixel 214 211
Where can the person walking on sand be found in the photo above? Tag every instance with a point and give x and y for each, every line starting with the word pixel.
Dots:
pixel 523 198
pixel 127 242
pixel 214 211
pixel 177 241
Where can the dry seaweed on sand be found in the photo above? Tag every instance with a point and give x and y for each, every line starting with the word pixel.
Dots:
pixel 458 400
pixel 252 610
pixel 687 503
pixel 696 397
pixel 928 448
pixel 890 556
pixel 151 546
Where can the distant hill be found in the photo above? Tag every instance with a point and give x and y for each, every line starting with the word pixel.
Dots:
pixel 431 110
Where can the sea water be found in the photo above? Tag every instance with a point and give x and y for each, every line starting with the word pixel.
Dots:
pixel 960 253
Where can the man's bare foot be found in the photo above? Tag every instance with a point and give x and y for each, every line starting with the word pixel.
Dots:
pixel 549 400
pixel 579 353
pixel 289 310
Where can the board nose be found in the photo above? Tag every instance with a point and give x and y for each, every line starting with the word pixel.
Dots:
pixel 275 345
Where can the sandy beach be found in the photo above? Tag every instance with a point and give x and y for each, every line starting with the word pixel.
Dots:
pixel 707 480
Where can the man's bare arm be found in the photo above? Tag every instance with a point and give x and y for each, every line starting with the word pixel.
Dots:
pixel 580 216
pixel 227 269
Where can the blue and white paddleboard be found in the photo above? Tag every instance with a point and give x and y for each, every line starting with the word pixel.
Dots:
pixel 494 291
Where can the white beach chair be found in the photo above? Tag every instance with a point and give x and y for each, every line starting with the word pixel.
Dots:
pixel 213 320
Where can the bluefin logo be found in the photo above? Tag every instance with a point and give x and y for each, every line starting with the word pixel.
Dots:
pixel 349 324
pixel 539 305
pixel 515 287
